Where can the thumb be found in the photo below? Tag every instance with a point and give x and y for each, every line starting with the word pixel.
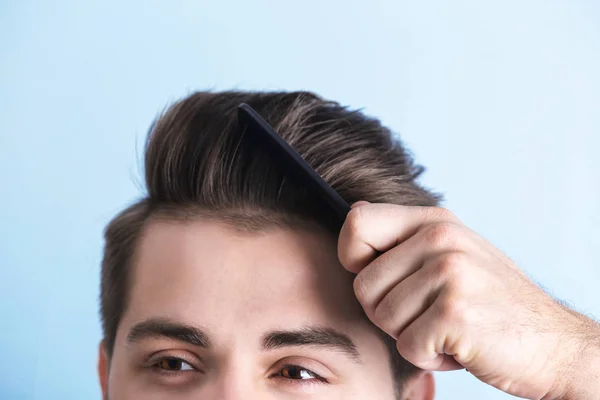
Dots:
pixel 359 203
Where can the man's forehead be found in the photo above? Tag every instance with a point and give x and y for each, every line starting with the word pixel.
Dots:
pixel 202 245
pixel 201 263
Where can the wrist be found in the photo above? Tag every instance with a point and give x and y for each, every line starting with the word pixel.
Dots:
pixel 580 380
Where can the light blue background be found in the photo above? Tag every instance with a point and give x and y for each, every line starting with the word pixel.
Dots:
pixel 501 100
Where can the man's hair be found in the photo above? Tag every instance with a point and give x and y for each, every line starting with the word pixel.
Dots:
pixel 199 162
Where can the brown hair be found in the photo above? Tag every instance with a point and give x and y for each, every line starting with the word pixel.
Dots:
pixel 198 161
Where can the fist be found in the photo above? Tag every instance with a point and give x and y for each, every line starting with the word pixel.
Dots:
pixel 452 300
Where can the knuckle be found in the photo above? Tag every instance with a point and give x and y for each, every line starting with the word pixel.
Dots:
pixel 440 234
pixel 349 236
pixel 405 344
pixel 451 265
pixel 452 306
pixel 344 255
pixel 354 222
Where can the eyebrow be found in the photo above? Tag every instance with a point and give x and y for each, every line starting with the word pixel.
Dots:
pixel 312 336
pixel 309 336
pixel 163 328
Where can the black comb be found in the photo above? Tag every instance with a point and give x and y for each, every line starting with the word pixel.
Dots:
pixel 264 133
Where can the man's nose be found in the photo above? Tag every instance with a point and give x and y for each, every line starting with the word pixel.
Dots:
pixel 238 384
pixel 236 389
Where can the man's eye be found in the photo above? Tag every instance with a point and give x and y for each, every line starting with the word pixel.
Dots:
pixel 173 364
pixel 298 373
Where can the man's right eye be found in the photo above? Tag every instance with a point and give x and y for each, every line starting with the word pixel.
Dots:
pixel 172 364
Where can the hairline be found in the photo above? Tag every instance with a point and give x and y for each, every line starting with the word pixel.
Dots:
pixel 238 220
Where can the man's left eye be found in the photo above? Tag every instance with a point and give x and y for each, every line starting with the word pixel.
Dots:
pixel 298 373
pixel 173 364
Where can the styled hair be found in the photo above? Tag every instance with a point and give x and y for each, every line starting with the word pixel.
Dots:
pixel 198 161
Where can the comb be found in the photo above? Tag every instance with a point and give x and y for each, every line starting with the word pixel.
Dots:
pixel 265 134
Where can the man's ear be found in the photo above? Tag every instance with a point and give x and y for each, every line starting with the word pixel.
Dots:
pixel 103 368
pixel 419 387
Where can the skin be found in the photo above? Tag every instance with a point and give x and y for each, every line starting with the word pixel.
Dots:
pixel 452 301
pixel 203 300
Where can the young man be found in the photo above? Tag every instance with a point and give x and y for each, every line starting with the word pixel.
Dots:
pixel 230 280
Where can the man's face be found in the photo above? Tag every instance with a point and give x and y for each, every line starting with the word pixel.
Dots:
pixel 214 314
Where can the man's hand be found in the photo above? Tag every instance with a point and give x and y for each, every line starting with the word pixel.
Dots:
pixel 452 300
